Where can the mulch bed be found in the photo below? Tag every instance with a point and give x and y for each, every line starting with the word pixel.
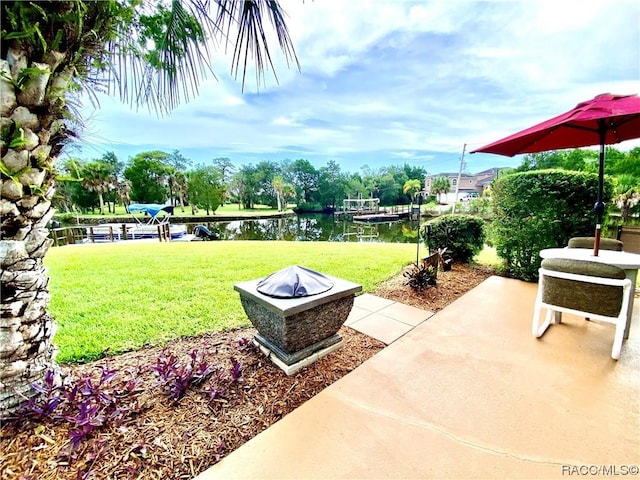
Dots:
pixel 159 438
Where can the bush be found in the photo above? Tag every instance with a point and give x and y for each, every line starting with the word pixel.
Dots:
pixel 421 277
pixel 541 209
pixel 462 235
pixel 482 207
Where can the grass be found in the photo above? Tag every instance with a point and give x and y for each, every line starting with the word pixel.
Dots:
pixel 227 209
pixel 122 296
pixel 488 256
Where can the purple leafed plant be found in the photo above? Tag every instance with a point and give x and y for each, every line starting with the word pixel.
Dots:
pixel 177 378
pixel 236 370
pixel 84 421
pixel 48 399
pixel 246 345
pixel 86 403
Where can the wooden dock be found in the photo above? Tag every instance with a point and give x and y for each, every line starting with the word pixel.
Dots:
pixel 377 218
pixel 385 214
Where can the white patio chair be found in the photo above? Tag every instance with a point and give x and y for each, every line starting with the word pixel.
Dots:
pixel 588 289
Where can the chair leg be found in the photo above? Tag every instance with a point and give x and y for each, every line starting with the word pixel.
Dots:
pixel 537 329
pixel 617 341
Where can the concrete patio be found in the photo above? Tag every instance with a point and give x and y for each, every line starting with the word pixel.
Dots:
pixel 465 393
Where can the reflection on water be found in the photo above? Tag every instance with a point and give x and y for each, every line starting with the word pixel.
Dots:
pixel 313 228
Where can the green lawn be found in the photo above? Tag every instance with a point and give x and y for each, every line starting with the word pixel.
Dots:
pixel 227 209
pixel 122 296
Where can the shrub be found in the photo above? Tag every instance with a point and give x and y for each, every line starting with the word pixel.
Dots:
pixel 482 207
pixel 462 235
pixel 421 277
pixel 541 209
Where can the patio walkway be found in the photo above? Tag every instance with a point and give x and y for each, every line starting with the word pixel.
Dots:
pixel 470 393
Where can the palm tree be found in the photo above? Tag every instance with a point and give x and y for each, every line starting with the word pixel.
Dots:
pixel 626 195
pixel 440 185
pixel 149 53
pixel 278 186
pixel 123 191
pixel 411 188
pixel 97 177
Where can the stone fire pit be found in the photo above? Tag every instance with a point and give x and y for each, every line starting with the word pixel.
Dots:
pixel 297 313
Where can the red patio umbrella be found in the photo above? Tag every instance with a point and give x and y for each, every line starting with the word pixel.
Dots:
pixel 605 120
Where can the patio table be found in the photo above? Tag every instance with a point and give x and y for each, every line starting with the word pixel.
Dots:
pixel 629 262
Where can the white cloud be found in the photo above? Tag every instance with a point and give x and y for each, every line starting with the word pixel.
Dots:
pixel 394 79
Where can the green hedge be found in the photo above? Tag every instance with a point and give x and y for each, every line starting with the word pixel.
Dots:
pixel 462 235
pixel 541 209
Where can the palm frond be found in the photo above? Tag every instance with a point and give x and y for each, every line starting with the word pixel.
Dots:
pixel 171 72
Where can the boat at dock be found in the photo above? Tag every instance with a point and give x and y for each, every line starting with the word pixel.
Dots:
pixel 156 227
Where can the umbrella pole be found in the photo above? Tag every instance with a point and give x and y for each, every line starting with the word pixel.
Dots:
pixel 599 206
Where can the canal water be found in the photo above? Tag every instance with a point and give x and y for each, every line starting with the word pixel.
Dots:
pixel 313 228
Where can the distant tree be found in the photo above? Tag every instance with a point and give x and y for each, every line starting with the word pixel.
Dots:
pixel 305 180
pixel 332 184
pixel 123 190
pixel 412 171
pixel 626 195
pixel 226 167
pixel 541 161
pixel 116 167
pixel 440 185
pixel 147 173
pixel 370 179
pixel 71 194
pixel 628 164
pixel 205 188
pixel 245 186
pixel 355 187
pixel 278 187
pixel 177 166
pixel 97 177
pixel 411 188
pixel 576 159
pixel 393 190
pixel 264 175
pixel 388 189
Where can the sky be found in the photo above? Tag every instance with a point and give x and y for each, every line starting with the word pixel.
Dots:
pixel 389 82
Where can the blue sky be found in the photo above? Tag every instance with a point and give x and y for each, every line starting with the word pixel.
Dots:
pixel 388 82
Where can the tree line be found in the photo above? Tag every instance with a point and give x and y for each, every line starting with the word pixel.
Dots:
pixel 161 177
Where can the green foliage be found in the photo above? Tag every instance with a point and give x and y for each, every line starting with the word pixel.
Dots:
pixel 462 235
pixel 541 209
pixel 305 180
pixel 309 207
pixel 411 187
pixel 421 277
pixel 482 207
pixel 152 292
pixel 205 187
pixel 147 173
pixel 440 185
pixel 332 184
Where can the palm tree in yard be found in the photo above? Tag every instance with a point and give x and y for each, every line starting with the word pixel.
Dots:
pixel 440 185
pixel 411 188
pixel 97 177
pixel 149 53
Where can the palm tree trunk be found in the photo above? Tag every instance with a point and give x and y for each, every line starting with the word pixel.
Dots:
pixel 101 199
pixel 26 328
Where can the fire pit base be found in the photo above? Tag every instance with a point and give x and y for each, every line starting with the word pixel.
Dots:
pixel 295 357
pixel 291 363
pixel 296 331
